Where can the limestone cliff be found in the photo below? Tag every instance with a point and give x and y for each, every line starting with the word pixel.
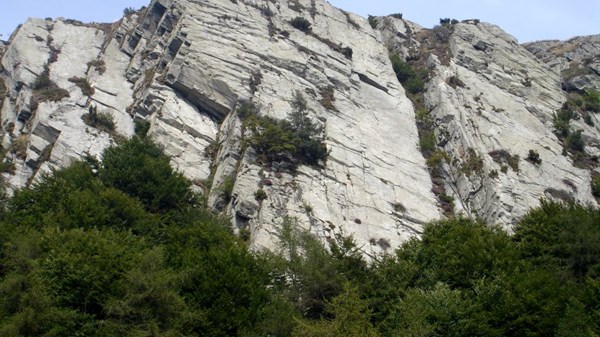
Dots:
pixel 493 104
pixel 187 65
pixel 577 60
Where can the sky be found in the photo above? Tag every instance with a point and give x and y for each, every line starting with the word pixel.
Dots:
pixel 527 20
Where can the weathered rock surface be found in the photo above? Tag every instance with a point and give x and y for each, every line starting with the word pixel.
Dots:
pixel 186 65
pixel 492 103
pixel 577 60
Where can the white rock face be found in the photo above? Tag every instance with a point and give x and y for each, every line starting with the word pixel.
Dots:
pixel 502 108
pixel 374 162
pixel 52 133
pixel 186 65
pixel 559 55
pixel 577 60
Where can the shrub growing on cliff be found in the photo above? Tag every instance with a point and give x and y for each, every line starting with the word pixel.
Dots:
pixel 141 127
pixel 587 100
pixel 100 120
pixel 504 158
pixel 596 186
pixel 129 11
pixel 411 79
pixel 574 141
pixel 246 110
pixel 3 91
pixel 373 21
pixel 42 81
pixel 44 89
pixel 296 140
pixel 260 195
pixel 301 24
pixel 591 100
pixel 534 157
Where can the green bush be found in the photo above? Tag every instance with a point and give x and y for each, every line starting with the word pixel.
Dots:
pixel 260 195
pixel 129 11
pixel 301 24
pixel 141 127
pixel 272 138
pixel 83 258
pixel 139 168
pixel 591 100
pixel 415 85
pixel 584 101
pixel 412 79
pixel 574 141
pixel 294 141
pixel 427 142
pixel 100 120
pixel 436 312
pixel 83 265
pixel 506 159
pixel 403 70
pixel 561 121
pixel 596 186
pixel 226 188
pixel 246 110
pixel 350 318
pixel 44 89
pixel 83 254
pixel 437 158
pixel 534 157
pixel 473 163
pixel 53 94
pixel 42 81
pixel 373 21
pixel 513 162
pixel 309 275
pixel 563 238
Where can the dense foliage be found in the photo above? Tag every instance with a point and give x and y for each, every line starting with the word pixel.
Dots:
pixel 124 248
pixel 412 78
pixel 301 24
pixel 286 143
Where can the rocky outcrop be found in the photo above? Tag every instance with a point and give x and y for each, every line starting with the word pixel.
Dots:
pixel 186 66
pixel 493 104
pixel 577 60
